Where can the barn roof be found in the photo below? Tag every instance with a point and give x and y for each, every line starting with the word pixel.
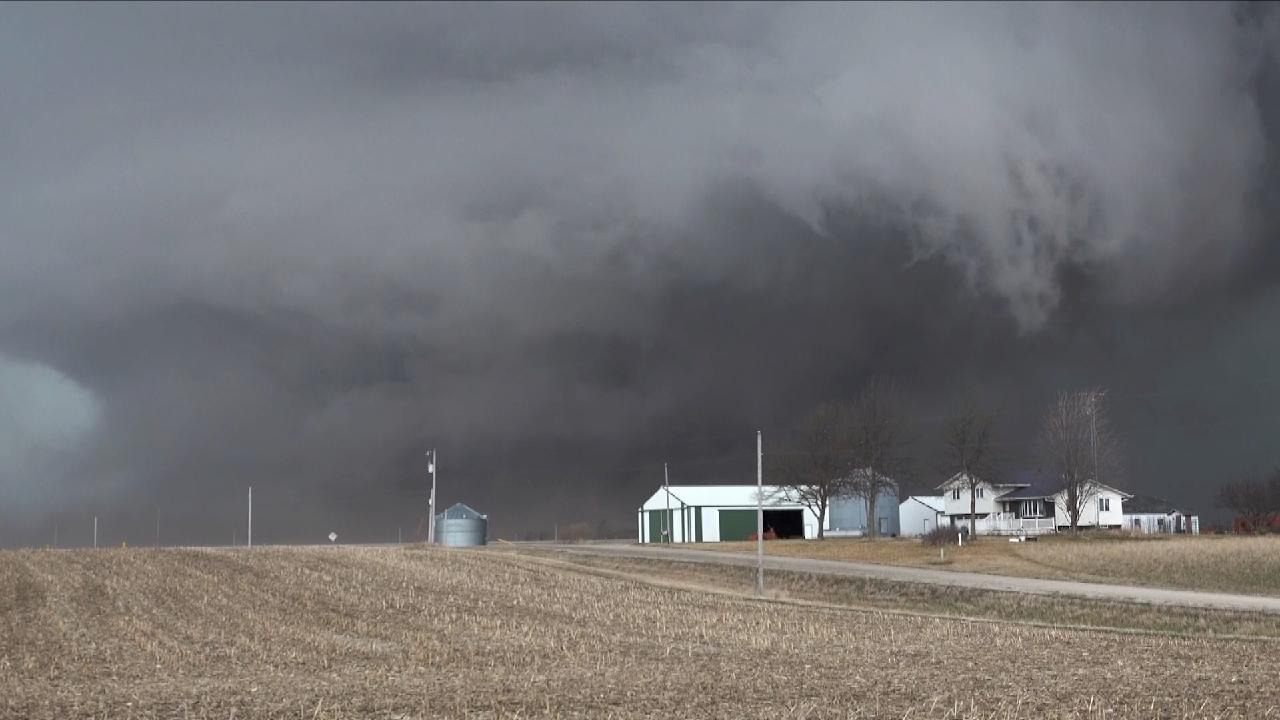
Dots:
pixel 775 496
pixel 718 495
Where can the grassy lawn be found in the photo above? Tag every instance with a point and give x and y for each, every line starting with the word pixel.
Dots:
pixel 1240 564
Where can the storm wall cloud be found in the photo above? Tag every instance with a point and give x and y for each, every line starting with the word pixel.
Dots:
pixel 297 246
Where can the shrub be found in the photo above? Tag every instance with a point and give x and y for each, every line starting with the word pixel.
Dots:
pixel 943 535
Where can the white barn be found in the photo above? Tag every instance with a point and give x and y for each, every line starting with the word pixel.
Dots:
pixel 919 514
pixel 714 513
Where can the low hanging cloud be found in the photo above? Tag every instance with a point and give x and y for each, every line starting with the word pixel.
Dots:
pixel 44 418
pixel 299 243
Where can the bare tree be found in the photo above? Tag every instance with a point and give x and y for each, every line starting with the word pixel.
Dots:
pixel 575 532
pixel 814 467
pixel 1255 501
pixel 879 443
pixel 968 453
pixel 1077 445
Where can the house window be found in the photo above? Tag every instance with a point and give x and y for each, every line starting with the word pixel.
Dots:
pixel 979 492
pixel 1031 509
pixel 1104 504
pixel 955 494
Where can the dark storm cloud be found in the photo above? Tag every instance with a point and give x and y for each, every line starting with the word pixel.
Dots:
pixel 295 246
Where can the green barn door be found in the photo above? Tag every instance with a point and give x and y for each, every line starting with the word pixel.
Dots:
pixel 737 524
pixel 656 526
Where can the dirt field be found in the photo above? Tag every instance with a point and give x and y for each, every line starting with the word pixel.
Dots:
pixel 408 633
pixel 1220 563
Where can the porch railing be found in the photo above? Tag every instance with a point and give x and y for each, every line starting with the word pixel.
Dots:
pixel 1010 524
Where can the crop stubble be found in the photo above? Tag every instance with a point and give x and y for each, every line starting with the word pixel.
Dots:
pixel 388 632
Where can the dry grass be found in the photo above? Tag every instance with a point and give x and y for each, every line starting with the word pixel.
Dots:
pixel 1242 564
pixel 932 599
pixel 389 633
pixel 1221 563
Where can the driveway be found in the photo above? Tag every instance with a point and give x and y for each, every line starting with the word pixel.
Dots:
pixel 1002 583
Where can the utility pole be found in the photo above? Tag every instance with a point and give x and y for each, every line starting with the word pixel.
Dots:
pixel 1093 426
pixel 431 517
pixel 157 527
pixel 667 524
pixel 399 536
pixel 95 532
pixel 250 541
pixel 759 513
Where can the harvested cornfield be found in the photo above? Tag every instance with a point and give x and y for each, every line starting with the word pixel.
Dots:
pixel 394 633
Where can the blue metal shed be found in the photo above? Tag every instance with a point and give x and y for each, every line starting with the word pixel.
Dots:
pixel 849 515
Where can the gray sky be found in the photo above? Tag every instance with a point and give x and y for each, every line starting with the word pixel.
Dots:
pixel 295 246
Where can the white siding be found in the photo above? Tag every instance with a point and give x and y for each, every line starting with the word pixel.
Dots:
pixel 710 524
pixel 960 505
pixel 811 523
pixel 916 516
pixel 1150 523
pixel 1091 516
pixel 1147 523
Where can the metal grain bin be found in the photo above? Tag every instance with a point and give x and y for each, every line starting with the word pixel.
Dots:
pixel 462 526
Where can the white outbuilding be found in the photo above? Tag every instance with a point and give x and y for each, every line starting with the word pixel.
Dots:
pixel 919 514
pixel 1147 515
pixel 714 513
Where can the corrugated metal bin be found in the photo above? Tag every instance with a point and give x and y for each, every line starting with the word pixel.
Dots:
pixel 462 526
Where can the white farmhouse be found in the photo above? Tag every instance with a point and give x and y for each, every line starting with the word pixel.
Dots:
pixel 1028 503
pixel 919 514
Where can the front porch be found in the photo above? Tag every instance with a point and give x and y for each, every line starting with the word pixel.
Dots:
pixel 1019 516
pixel 1011 524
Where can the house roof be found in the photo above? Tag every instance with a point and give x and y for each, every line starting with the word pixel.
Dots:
pixel 956 478
pixel 1149 504
pixel 1031 486
pixel 934 502
pixel 1117 491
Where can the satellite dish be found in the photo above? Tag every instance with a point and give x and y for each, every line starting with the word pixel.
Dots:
pixel 333 536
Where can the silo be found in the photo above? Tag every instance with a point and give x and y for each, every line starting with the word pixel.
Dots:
pixel 461 526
